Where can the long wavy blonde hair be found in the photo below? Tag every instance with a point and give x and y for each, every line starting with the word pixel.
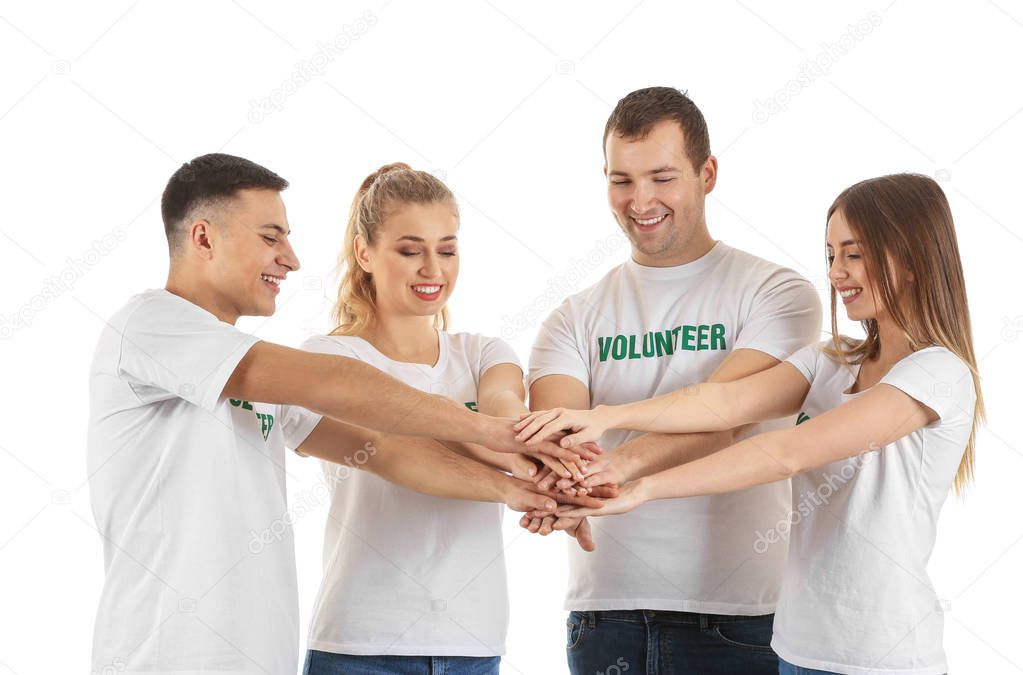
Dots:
pixel 904 225
pixel 381 194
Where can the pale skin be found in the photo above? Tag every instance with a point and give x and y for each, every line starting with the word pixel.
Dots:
pixel 226 255
pixel 416 249
pixel 881 415
pixel 648 178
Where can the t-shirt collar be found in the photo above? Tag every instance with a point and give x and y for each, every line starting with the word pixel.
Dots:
pixel 678 272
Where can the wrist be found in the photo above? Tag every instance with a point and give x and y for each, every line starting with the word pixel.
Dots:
pixel 644 489
pixel 607 414
pixel 500 487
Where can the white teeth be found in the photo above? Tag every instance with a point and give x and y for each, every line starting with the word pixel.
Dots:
pixel 850 292
pixel 272 280
pixel 427 290
pixel 651 221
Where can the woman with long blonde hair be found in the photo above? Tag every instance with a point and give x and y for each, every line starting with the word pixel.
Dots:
pixel 886 428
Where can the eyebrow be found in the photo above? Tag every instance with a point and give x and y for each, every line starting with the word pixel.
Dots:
pixel 409 237
pixel 660 169
pixel 275 226
pixel 847 242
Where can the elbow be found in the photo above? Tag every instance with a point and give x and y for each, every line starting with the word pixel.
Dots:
pixel 783 449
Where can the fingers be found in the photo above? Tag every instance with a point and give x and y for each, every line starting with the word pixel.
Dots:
pixel 579 500
pixel 586 435
pixel 598 479
pixel 523 467
pixel 589 451
pixel 547 483
pixel 575 469
pixel 554 464
pixel 578 512
pixel 547 525
pixel 555 450
pixel 530 425
pixel 584 535
pixel 608 491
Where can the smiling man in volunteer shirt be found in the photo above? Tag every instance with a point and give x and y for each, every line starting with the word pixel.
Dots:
pixel 187 431
pixel 675 586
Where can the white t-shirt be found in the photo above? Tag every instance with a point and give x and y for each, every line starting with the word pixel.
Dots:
pixel 856 597
pixel 188 493
pixel 644 331
pixel 406 573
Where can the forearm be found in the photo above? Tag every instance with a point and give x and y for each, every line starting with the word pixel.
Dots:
pixel 696 408
pixel 653 453
pixel 754 461
pixel 429 467
pixel 502 461
pixel 419 464
pixel 381 402
pixel 503 404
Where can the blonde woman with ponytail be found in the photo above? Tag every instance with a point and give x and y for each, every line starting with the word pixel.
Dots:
pixel 414 581
pixel 886 429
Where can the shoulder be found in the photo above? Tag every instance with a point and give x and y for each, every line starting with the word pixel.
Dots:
pixel 760 273
pixel 937 363
pixel 587 300
pixel 479 346
pixel 341 345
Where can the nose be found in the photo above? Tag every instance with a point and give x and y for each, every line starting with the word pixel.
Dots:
pixel 431 266
pixel 642 198
pixel 836 272
pixel 287 257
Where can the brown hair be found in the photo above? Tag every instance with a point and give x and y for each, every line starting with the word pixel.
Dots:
pixel 637 114
pixel 381 194
pixel 904 226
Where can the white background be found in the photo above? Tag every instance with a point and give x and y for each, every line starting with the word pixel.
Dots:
pixel 101 102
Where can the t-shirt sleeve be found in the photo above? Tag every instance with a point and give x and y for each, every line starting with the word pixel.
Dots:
pixel 174 349
pixel 805 360
pixel 298 424
pixel 557 349
pixel 495 351
pixel 937 378
pixel 785 316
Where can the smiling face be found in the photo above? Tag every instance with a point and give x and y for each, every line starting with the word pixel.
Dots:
pixel 251 253
pixel 848 271
pixel 657 196
pixel 414 261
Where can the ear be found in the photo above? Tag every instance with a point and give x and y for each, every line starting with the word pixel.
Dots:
pixel 363 255
pixel 709 174
pixel 200 236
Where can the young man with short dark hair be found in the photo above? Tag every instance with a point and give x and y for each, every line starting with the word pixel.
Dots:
pixel 187 432
pixel 675 586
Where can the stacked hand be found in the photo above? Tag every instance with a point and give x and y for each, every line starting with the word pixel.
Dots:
pixel 600 477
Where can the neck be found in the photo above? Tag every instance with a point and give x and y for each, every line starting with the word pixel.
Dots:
pixel 184 285
pixel 694 248
pixel 893 345
pixel 403 337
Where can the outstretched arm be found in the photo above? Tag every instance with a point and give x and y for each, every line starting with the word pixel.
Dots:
pixel 878 417
pixel 422 465
pixel 717 405
pixel 355 392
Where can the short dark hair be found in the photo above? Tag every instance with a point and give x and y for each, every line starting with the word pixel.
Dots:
pixel 636 115
pixel 206 180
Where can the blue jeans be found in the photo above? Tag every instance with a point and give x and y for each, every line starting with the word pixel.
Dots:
pixel 786 668
pixel 682 643
pixel 327 663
